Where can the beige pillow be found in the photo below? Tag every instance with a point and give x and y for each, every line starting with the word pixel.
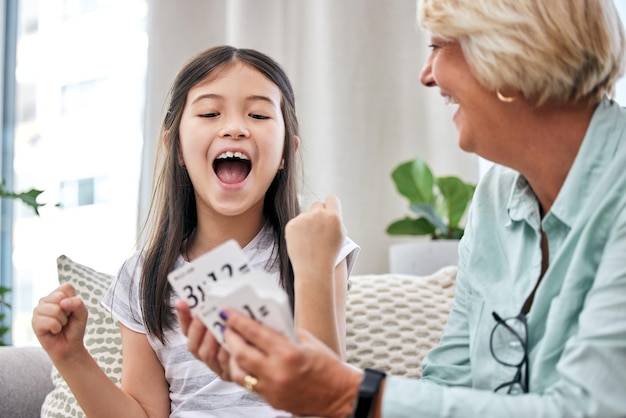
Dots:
pixel 393 320
pixel 102 336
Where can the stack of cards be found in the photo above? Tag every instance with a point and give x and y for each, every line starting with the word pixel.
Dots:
pixel 222 278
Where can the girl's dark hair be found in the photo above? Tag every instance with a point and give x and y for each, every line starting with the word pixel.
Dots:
pixel 172 216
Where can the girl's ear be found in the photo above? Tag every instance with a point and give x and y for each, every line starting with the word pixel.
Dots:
pixel 166 143
pixel 296 143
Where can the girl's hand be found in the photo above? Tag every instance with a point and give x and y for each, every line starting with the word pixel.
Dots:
pixel 305 378
pixel 314 238
pixel 201 343
pixel 59 322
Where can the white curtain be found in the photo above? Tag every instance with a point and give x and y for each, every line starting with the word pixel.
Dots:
pixel 355 66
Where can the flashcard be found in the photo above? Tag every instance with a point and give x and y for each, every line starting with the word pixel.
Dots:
pixel 244 298
pixel 210 314
pixel 223 278
pixel 226 261
pixel 267 290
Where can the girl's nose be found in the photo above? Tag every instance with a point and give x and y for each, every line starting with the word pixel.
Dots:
pixel 235 128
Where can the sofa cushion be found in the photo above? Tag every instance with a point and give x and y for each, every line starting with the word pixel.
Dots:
pixel 393 320
pixel 102 335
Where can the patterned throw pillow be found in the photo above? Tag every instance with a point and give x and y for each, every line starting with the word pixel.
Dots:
pixel 102 336
pixel 393 320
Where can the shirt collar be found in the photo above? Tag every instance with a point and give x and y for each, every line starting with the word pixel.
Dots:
pixel 523 204
pixel 597 149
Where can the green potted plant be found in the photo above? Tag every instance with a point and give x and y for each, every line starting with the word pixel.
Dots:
pixel 439 202
pixel 439 205
pixel 30 199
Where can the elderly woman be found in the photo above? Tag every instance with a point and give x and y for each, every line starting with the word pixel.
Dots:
pixel 538 324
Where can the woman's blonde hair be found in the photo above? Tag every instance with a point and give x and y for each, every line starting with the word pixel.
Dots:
pixel 558 51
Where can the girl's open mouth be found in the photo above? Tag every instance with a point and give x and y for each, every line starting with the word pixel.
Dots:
pixel 232 167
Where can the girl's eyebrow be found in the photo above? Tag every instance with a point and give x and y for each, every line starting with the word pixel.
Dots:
pixel 259 97
pixel 207 96
pixel 253 97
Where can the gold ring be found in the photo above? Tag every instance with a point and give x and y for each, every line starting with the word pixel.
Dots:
pixel 250 382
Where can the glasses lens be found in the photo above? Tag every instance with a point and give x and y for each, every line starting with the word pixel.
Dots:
pixel 507 342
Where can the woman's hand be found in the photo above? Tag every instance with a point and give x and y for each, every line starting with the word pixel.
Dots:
pixel 59 322
pixel 314 238
pixel 305 378
pixel 201 343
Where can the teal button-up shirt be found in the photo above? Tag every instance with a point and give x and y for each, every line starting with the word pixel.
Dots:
pixel 577 322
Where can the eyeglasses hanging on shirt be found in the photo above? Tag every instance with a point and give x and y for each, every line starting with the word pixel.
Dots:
pixel 509 347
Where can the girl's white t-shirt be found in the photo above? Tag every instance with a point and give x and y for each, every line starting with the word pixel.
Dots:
pixel 195 390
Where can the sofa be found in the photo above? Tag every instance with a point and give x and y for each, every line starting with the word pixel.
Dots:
pixel 24 381
pixel 392 321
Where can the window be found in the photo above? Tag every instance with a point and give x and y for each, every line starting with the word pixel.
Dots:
pixel 72 8
pixel 78 105
pixel 83 96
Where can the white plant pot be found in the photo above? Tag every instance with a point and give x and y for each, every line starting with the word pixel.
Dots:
pixel 422 257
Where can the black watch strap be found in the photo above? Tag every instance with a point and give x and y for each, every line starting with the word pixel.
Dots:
pixel 370 384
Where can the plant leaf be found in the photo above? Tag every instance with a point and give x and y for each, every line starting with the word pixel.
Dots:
pixel 471 188
pixel 438 201
pixel 457 197
pixel 415 181
pixel 3 302
pixel 456 233
pixel 408 226
pixel 430 214
pixel 29 197
pixel 424 180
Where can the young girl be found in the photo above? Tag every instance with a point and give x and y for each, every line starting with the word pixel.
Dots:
pixel 227 172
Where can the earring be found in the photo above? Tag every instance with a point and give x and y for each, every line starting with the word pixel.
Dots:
pixel 503 98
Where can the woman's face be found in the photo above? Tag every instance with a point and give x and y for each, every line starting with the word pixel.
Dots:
pixel 231 138
pixel 480 118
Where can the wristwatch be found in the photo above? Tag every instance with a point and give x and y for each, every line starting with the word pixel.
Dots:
pixel 370 384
